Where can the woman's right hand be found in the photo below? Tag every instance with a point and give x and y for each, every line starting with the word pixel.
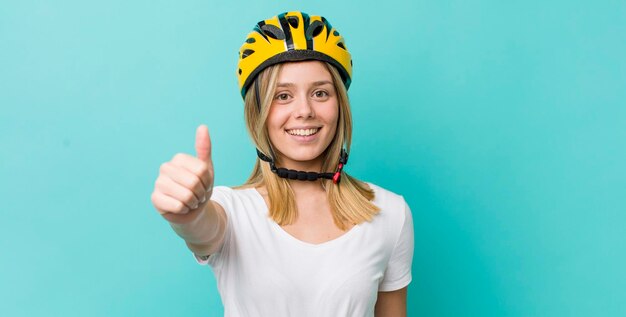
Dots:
pixel 185 183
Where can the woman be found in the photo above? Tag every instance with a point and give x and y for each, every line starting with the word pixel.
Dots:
pixel 300 237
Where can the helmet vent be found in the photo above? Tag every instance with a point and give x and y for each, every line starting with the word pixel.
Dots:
pixel 247 53
pixel 314 29
pixel 293 21
pixel 340 44
pixel 273 32
pixel 250 40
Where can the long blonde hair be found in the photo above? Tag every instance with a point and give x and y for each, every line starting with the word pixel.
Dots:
pixel 350 200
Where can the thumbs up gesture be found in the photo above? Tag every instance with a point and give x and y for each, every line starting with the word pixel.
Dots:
pixel 185 183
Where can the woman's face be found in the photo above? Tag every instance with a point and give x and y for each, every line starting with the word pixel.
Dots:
pixel 303 115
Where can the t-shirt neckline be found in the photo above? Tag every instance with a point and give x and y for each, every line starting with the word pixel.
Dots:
pixel 287 236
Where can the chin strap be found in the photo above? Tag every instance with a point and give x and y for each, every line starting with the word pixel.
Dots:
pixel 306 176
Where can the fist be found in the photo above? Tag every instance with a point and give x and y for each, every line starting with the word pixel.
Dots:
pixel 185 183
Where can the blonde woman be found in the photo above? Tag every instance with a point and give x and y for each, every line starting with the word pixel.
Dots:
pixel 301 237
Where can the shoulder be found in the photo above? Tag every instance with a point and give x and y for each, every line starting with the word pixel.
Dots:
pixel 394 210
pixel 387 200
pixel 232 192
pixel 236 198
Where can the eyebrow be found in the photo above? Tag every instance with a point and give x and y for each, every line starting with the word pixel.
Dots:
pixel 315 84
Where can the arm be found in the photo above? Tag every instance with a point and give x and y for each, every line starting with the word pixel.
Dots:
pixel 182 196
pixel 391 303
pixel 203 232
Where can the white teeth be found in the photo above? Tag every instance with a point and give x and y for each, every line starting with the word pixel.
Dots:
pixel 303 132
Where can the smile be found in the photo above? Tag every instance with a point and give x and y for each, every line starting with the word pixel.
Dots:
pixel 303 132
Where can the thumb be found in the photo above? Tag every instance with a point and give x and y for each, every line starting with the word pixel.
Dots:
pixel 203 143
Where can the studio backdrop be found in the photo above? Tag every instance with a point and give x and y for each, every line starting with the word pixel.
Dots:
pixel 502 123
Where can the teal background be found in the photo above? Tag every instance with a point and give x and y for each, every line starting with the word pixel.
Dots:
pixel 503 123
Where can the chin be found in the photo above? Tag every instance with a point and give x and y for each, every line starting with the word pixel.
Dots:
pixel 303 157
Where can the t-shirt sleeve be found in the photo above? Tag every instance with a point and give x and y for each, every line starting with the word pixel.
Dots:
pixel 221 195
pixel 398 272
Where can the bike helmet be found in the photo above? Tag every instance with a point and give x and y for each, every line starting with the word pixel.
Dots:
pixel 292 36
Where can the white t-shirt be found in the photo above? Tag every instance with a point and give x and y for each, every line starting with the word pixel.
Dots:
pixel 261 270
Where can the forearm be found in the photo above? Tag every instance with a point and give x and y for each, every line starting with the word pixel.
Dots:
pixel 202 229
pixel 391 303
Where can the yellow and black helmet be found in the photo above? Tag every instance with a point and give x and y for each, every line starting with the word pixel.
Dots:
pixel 292 36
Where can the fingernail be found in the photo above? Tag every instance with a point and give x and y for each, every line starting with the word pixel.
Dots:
pixel 203 199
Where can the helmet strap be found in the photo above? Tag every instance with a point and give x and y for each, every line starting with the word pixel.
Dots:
pixel 257 95
pixel 306 176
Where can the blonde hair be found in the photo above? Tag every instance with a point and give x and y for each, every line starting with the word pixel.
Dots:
pixel 350 200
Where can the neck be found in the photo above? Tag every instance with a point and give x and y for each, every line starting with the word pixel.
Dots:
pixel 301 188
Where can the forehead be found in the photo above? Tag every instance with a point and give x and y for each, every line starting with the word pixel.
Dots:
pixel 303 73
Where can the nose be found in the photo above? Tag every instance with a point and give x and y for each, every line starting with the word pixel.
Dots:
pixel 304 108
